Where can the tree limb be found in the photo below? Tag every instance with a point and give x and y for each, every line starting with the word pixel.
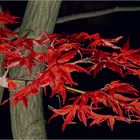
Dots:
pixel 96 14
pixel 28 123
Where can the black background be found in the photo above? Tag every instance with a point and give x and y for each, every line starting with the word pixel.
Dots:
pixel 111 25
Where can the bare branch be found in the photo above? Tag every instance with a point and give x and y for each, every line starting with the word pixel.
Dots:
pixel 96 14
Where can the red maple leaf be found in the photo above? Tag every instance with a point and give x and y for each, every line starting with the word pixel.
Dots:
pixel 5 32
pixel 98 41
pixel 12 59
pixel 79 37
pixel 133 109
pixel 106 64
pixel 83 113
pixel 122 88
pixel 129 57
pixel 98 119
pixel 23 94
pixel 6 18
pixel 58 72
pixel 134 72
pixel 102 60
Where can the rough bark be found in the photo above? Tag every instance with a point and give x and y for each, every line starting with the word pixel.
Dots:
pixel 41 16
pixel 29 123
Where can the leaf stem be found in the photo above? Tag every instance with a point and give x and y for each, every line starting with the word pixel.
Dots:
pixel 50 107
pixel 85 60
pixel 75 90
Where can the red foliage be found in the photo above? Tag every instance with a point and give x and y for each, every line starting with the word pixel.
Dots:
pixel 6 18
pixel 60 54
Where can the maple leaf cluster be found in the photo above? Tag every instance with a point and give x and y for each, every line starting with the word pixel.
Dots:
pixel 61 55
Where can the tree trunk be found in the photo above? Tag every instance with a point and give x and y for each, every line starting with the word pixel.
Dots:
pixel 29 123
pixel 40 16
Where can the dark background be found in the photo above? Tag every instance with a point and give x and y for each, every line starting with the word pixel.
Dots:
pixel 111 25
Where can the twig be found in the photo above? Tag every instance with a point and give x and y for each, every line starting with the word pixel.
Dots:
pixel 50 107
pixel 85 60
pixel 96 14
pixel 75 90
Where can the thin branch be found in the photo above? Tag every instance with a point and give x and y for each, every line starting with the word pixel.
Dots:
pixel 50 107
pixel 96 14
pixel 75 90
